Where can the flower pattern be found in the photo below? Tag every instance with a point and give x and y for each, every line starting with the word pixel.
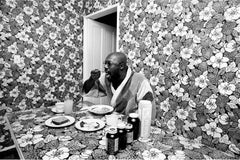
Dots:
pixel 57 154
pixel 153 154
pixel 37 141
pixel 193 43
pixel 29 139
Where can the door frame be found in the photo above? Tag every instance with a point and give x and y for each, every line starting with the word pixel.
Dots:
pixel 104 12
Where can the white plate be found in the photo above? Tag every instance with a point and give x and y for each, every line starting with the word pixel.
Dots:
pixel 89 124
pixel 54 109
pixel 49 122
pixel 100 109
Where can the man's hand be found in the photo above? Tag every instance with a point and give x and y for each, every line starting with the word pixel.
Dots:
pixel 95 74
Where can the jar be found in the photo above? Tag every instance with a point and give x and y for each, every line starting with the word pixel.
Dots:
pixel 129 130
pixel 134 120
pixel 112 141
pixel 122 136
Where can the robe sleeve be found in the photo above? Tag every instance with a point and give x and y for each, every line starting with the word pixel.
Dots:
pixel 145 91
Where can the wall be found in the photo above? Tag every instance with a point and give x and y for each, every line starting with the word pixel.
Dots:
pixel 189 50
pixel 40 55
pixel 41 52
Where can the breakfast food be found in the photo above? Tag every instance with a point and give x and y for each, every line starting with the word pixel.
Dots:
pixel 89 124
pixel 60 120
pixel 101 110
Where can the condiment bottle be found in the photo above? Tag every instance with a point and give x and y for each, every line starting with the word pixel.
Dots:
pixel 145 116
pixel 112 141
pixel 134 120
pixel 129 130
pixel 122 136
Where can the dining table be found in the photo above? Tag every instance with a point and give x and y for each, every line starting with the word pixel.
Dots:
pixel 36 140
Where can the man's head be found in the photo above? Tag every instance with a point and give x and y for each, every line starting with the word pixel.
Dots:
pixel 115 66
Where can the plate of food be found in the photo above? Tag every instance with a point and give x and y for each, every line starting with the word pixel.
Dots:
pixel 89 124
pixel 59 121
pixel 101 109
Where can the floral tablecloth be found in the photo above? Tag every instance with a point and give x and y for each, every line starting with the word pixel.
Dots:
pixel 37 141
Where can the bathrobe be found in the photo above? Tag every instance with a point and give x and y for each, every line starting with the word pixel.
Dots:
pixel 125 98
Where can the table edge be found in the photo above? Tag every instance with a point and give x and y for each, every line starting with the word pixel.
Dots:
pixel 14 138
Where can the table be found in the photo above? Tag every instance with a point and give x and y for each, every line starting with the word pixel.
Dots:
pixel 34 140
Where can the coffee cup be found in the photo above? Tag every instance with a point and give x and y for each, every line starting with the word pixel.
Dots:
pixel 59 106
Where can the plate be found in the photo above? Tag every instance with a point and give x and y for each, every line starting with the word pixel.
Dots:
pixel 100 109
pixel 90 124
pixel 49 122
pixel 54 109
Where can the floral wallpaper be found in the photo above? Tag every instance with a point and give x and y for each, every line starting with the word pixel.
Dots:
pixel 188 49
pixel 41 53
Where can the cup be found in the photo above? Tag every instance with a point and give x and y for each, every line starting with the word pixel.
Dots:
pixel 59 106
pixel 112 120
pixel 68 106
pixel 145 115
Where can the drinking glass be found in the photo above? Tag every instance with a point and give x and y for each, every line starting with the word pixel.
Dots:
pixel 68 106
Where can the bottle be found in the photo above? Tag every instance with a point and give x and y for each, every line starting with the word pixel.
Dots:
pixel 112 141
pixel 122 136
pixel 129 130
pixel 134 120
pixel 145 116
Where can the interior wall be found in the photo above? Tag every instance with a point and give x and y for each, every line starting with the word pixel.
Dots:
pixel 40 54
pixel 189 51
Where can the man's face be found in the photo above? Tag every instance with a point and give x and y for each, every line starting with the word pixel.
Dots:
pixel 112 68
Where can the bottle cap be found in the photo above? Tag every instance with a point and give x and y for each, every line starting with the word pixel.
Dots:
pixel 129 126
pixel 133 115
pixel 121 125
pixel 112 130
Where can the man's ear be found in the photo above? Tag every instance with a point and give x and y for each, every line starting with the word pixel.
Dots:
pixel 122 66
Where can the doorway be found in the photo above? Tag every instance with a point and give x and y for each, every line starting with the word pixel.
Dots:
pixel 100 37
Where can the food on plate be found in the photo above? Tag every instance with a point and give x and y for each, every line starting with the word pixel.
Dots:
pixel 101 110
pixel 60 120
pixel 89 124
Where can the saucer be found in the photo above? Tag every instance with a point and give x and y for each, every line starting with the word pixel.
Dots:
pixel 54 109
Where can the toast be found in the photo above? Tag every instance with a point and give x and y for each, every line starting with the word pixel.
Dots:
pixel 60 120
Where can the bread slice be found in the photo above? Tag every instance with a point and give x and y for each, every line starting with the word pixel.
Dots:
pixel 60 120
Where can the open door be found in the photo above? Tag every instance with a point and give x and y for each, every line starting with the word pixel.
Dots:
pixel 99 40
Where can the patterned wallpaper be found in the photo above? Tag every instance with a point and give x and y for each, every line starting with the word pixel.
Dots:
pixel 41 54
pixel 188 49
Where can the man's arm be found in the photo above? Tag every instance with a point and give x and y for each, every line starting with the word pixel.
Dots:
pixel 148 96
pixel 87 85
pixel 92 87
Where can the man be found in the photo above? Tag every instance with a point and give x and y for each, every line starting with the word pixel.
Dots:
pixel 123 87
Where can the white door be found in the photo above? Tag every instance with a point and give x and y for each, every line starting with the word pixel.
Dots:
pixel 99 40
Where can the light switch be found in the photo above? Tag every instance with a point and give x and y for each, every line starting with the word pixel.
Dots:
pixel 17 59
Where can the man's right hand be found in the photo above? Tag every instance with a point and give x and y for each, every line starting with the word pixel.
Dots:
pixel 95 74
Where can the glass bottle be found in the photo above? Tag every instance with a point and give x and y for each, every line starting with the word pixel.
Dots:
pixel 134 120
pixel 122 136
pixel 129 130
pixel 112 141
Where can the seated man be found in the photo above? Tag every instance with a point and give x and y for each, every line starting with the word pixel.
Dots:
pixel 123 87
